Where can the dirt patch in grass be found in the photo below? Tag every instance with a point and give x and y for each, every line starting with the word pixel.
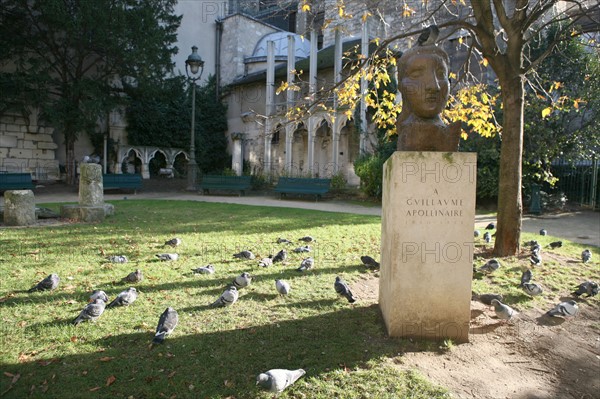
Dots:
pixel 533 357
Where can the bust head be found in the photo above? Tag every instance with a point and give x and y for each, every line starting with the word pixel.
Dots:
pixel 423 82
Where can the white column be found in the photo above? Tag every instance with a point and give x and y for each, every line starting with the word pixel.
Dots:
pixel 236 156
pixel 289 129
pixel 270 104
pixel 337 72
pixel 364 50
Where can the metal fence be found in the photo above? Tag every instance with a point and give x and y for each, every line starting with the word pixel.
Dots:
pixel 578 182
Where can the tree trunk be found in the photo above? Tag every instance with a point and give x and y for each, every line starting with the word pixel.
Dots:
pixel 510 204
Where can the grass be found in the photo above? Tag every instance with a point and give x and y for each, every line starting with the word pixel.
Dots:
pixel 213 353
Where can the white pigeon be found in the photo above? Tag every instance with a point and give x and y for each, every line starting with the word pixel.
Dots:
pixel 305 248
pixel 134 277
pixel 306 264
pixel 276 380
pixel 586 256
pixel 208 269
pixel 166 324
pixel 564 309
pixel 244 255
pixel 490 266
pixel 242 281
pixel 48 284
pixel 266 262
pixel 117 259
pixel 173 242
pixel 98 294
pixel 227 298
pixel 125 298
pixel 282 286
pixel 503 312
pixel 532 289
pixel 167 257
pixel 91 311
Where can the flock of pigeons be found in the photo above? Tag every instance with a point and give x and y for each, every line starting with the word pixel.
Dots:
pixel 275 380
pixel 565 309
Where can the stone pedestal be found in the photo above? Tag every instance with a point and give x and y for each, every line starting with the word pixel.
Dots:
pixel 427 244
pixel 19 208
pixel 91 189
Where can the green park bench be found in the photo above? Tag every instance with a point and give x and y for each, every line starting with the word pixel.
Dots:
pixel 219 182
pixel 298 185
pixel 123 181
pixel 15 181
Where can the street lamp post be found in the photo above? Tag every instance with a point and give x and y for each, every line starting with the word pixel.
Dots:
pixel 193 69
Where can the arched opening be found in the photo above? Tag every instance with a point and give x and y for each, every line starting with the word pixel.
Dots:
pixel 157 162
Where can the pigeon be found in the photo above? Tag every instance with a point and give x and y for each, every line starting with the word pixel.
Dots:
pixel 134 277
pixel 166 324
pixel 526 277
pixel 531 243
pixel 282 286
pixel 590 288
pixel 490 266
pixel 487 298
pixel 48 284
pixel 476 233
pixel 369 262
pixel 266 262
pixel 244 255
pixel 306 264
pixel 307 239
pixel 208 269
pixel 490 226
pixel 555 244
pixel 305 248
pixel 283 241
pixel 532 289
pixel 173 242
pixel 227 298
pixel 503 311
pixel 280 256
pixel 487 237
pixel 125 298
pixel 167 257
pixel 564 309
pixel 586 256
pixel 98 294
pixel 543 232
pixel 429 36
pixel 117 259
pixel 342 289
pixel 276 380
pixel 91 311
pixel 536 249
pixel 535 259
pixel 242 281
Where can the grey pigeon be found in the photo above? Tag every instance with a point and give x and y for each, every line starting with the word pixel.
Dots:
pixel 266 262
pixel 134 277
pixel 307 239
pixel 173 242
pixel 535 259
pixel 503 311
pixel 564 309
pixel 167 257
pixel 125 298
pixel 526 277
pixel 476 233
pixel 586 256
pixel 555 244
pixel 244 255
pixel 242 281
pixel 487 237
pixel 590 288
pixel 536 249
pixel 342 289
pixel 91 311
pixel 276 380
pixel 429 36
pixel 282 286
pixel 166 324
pixel 208 269
pixel 490 266
pixel 532 289
pixel 98 294
pixel 280 256
pixel 48 284
pixel 490 226
pixel 305 248
pixel 306 264
pixel 369 262
pixel 531 243
pixel 543 232
pixel 117 259
pixel 227 298
pixel 283 241
pixel 487 298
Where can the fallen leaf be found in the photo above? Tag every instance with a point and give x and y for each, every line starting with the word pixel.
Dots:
pixel 6 373
pixel 71 301
pixel 15 378
pixel 47 362
pixel 94 389
pixel 110 380
pixel 106 359
pixel 22 323
pixel 171 374
pixel 73 338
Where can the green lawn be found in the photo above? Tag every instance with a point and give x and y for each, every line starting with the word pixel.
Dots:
pixel 213 353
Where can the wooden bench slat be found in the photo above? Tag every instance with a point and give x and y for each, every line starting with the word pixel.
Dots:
pixel 221 182
pixel 16 181
pixel 122 181
pixel 301 185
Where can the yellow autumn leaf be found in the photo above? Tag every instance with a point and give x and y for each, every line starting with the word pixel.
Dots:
pixel 484 62
pixel 546 112
pixel 305 7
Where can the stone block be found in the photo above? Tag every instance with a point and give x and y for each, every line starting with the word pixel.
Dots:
pixel 427 244
pixel 42 154
pixel 20 153
pixel 11 127
pixel 88 214
pixel 8 140
pixel 38 137
pixel 91 189
pixel 44 145
pixel 27 144
pixel 19 208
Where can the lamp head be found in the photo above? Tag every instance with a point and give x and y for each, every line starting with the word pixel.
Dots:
pixel 194 62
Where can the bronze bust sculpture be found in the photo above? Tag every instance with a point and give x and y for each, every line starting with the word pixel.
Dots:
pixel 423 82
